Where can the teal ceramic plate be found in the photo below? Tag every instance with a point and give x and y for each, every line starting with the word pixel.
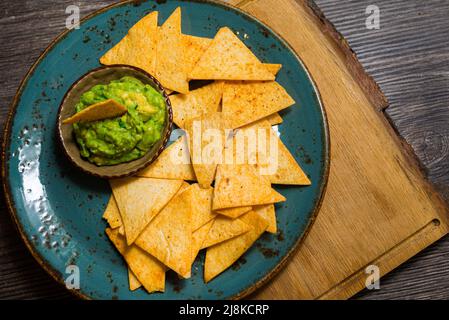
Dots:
pixel 58 209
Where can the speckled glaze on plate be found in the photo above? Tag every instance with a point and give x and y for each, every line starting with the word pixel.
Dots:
pixel 58 210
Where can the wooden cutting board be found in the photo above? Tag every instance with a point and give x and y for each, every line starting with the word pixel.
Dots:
pixel 379 208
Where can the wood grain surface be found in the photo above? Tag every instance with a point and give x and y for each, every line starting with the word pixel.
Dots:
pixel 412 71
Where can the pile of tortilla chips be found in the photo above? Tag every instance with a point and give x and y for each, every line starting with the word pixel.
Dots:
pixel 159 221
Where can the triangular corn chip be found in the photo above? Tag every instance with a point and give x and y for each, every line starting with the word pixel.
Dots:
pixel 140 200
pixel 273 67
pixel 227 58
pixel 134 283
pixel 149 271
pixel 268 212
pixel 169 236
pixel 223 255
pixel 282 169
pixel 99 111
pixel 112 214
pixel 173 163
pixel 195 48
pixel 242 180
pixel 202 206
pixel 196 103
pixel 138 47
pixel 207 138
pixel 171 67
pixel 224 229
pixel 198 238
pixel 274 119
pixel 246 102
pixel 288 170
pixel 276 163
pixel 234 212
pixel 184 187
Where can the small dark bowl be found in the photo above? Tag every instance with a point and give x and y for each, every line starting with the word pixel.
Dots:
pixel 105 75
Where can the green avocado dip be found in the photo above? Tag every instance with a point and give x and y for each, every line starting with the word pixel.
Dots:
pixel 129 137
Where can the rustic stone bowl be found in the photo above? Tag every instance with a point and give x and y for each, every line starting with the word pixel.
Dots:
pixel 104 75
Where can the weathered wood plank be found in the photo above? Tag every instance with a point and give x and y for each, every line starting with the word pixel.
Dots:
pixel 408 57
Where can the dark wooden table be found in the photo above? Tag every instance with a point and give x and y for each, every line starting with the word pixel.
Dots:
pixel 408 56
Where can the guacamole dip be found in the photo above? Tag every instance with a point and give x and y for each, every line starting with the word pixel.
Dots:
pixel 129 137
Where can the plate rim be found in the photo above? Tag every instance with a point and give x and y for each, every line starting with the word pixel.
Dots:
pixel 12 112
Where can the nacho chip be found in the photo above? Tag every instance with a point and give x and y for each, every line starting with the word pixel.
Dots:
pixel 198 238
pixel 274 119
pixel 206 150
pixel 184 187
pixel 112 214
pixel 169 236
pixel 99 111
pixel 287 171
pixel 134 283
pixel 246 102
pixel 223 255
pixel 195 48
pixel 173 163
pixel 273 67
pixel 149 271
pixel 196 103
pixel 140 200
pixel 171 67
pixel 241 185
pixel 138 47
pixel 234 212
pixel 227 58
pixel 223 229
pixel 268 213
pixel 202 206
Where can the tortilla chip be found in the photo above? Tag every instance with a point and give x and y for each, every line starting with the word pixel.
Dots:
pixel 223 255
pixel 195 48
pixel 184 187
pixel 140 200
pixel 234 212
pixel 98 111
pixel 273 68
pixel 169 236
pixel 246 102
pixel 198 238
pixel 286 171
pixel 149 271
pixel 268 213
pixel 241 185
pixel 227 58
pixel 205 167
pixel 223 229
pixel 171 67
pixel 173 163
pixel 112 214
pixel 138 47
pixel 202 206
pixel 274 119
pixel 196 103
pixel 134 283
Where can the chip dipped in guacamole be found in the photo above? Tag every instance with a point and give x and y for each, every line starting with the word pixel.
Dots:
pixel 126 138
